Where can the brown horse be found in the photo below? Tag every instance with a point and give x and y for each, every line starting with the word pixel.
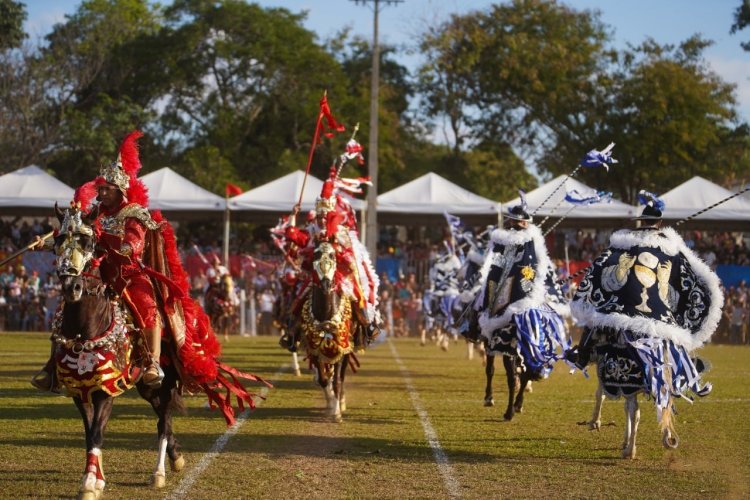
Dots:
pixel 327 330
pixel 98 356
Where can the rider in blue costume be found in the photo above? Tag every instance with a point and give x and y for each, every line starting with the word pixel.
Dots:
pixel 646 303
pixel 514 316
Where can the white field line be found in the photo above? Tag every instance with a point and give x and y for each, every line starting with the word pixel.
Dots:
pixel 444 466
pixel 192 476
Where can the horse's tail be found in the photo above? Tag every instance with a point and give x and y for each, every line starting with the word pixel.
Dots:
pixel 177 403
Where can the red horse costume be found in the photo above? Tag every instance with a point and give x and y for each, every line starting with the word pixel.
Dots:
pixel 139 261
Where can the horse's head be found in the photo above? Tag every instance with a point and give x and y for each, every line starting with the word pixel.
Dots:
pixel 324 263
pixel 74 246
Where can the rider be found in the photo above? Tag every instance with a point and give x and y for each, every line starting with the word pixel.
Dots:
pixel 335 222
pixel 648 300
pixel 513 314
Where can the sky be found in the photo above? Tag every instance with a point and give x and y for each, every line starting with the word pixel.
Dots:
pixel 666 21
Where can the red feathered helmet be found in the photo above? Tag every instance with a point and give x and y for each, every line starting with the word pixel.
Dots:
pixel 327 199
pixel 123 172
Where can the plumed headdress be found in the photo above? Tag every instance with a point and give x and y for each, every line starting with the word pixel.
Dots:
pixel 520 212
pixel 123 172
pixel 653 206
pixel 327 199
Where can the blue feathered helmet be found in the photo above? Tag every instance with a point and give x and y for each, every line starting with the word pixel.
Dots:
pixel 654 206
pixel 520 212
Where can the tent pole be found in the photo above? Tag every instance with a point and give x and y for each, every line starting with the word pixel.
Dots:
pixel 226 233
pixel 363 225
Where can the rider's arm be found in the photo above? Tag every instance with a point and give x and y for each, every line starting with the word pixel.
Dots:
pixel 133 240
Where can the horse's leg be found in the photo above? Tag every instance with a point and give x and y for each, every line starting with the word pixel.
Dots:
pixel 295 365
pixel 322 379
pixel 164 400
pixel 337 392
pixel 96 415
pixel 525 380
pixel 489 371
pixel 470 347
pixel 423 336
pixel 632 418
pixel 342 397
pixel 509 362
pixel 596 417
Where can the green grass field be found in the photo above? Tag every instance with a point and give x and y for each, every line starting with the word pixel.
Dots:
pixel 287 448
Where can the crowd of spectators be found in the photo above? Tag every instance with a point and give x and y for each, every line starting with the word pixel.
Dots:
pixel 27 303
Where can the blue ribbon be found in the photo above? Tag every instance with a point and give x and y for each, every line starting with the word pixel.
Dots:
pixel 601 158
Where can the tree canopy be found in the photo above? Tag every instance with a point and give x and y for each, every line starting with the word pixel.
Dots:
pixel 228 91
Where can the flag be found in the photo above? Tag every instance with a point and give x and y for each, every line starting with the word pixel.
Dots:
pixel 233 190
pixel 330 121
pixel 576 198
pixel 601 158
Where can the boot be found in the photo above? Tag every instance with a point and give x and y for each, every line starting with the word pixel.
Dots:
pixel 153 375
pixel 46 379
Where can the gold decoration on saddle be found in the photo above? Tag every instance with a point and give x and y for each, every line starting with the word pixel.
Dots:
pixel 315 331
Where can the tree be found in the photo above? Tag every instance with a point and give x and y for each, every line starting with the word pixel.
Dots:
pixel 670 117
pixel 742 21
pixel 12 16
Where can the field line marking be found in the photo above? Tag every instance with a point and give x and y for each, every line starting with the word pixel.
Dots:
pixel 444 466
pixel 187 482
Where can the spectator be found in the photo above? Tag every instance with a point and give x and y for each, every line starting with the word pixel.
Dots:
pixel 265 305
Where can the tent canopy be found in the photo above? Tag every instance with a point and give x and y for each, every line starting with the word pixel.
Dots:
pixel 278 197
pixel 171 192
pixel 698 193
pixel 32 191
pixel 428 197
pixel 557 207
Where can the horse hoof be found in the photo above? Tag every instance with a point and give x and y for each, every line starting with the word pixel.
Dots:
pixel 489 402
pixel 338 419
pixel 529 388
pixel 508 417
pixel 158 481
pixel 628 454
pixel 595 426
pixel 178 464
pixel 89 495
pixel 518 409
pixel 297 373
pixel 342 405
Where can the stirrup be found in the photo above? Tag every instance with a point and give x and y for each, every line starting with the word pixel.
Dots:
pixel 152 379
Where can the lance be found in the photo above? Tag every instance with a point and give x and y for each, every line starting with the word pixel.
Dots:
pixel 200 254
pixel 686 219
pixel 565 215
pixel 26 248
pixel 678 223
pixel 316 137
pixel 603 152
pixel 344 157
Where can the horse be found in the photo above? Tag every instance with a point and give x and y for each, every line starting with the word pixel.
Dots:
pixel 620 373
pixel 220 308
pixel 328 330
pixel 99 355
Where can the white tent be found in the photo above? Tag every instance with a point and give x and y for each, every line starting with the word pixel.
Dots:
pixel 280 195
pixel 557 207
pixel 698 193
pixel 169 191
pixel 32 191
pixel 434 195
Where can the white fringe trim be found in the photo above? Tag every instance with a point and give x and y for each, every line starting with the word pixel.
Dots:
pixel 668 241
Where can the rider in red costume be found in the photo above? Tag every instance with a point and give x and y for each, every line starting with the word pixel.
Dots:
pixel 335 222
pixel 138 259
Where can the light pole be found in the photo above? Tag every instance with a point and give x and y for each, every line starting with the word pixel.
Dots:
pixel 371 224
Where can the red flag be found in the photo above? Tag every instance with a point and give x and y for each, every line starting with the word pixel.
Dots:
pixel 233 190
pixel 331 122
